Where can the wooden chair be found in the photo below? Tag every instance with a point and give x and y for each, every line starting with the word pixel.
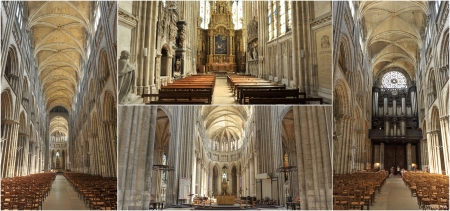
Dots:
pixel 356 202
pixel 342 201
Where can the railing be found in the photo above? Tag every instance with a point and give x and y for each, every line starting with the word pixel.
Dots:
pixel 224 156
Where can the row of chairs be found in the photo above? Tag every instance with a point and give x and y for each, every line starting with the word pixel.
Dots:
pixel 26 192
pixel 99 193
pixel 431 190
pixel 353 191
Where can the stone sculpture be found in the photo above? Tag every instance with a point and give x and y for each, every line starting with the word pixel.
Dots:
pixel 126 76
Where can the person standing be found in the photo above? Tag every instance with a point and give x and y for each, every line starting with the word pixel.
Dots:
pixel 398 170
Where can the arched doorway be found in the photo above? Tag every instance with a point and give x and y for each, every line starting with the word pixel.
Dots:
pixel 164 60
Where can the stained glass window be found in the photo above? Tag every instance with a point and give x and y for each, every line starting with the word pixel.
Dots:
pixel 275 18
pixel 282 17
pixel 289 15
pixel 269 15
pixel 279 12
pixel 393 79
pixel 237 14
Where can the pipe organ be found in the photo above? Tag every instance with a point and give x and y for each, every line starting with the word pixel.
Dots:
pixel 395 125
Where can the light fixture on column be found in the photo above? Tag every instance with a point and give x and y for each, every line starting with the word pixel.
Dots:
pixel 164 168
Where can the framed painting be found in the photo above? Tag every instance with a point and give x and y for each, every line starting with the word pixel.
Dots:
pixel 221 44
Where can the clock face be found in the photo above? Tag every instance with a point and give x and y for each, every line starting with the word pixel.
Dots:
pixel 395 92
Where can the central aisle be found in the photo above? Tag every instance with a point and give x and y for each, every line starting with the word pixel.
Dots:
pixel 395 195
pixel 222 93
pixel 63 197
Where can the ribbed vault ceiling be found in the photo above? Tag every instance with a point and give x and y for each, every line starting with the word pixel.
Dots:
pixel 59 34
pixel 59 124
pixel 393 33
pixel 225 121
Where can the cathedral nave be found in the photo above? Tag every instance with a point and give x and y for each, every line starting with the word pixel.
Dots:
pixel 391 97
pixel 58 104
pixel 221 156
pixel 278 51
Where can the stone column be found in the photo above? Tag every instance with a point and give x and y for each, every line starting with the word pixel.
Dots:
pixel 199 181
pixel 136 141
pixel 181 150
pixel 382 157
pixel 169 69
pixel 146 54
pixel 431 165
pixel 313 146
pixel 423 154
pixel 252 179
pixel 408 157
pixel 445 142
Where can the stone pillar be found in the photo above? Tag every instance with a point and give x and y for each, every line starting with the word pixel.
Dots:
pixel 199 181
pixel 181 150
pixel 136 149
pixel 169 69
pixel 382 167
pixel 445 142
pixel 147 53
pixel 252 179
pixel 408 157
pixel 313 146
pixel 423 154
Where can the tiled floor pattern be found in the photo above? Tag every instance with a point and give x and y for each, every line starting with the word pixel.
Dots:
pixel 63 197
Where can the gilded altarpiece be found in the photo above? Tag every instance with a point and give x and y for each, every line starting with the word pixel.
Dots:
pixel 217 44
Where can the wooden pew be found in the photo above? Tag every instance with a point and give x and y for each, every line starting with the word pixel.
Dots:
pixel 270 101
pixel 181 97
pixel 188 87
pixel 232 77
pixel 255 84
pixel 253 80
pixel 287 93
pixel 238 91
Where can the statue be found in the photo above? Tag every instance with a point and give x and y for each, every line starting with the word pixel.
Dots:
pixel 255 54
pixel 182 37
pixel 177 68
pixel 178 63
pixel 126 76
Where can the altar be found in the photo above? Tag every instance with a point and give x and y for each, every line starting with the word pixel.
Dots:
pixel 225 200
pixel 222 67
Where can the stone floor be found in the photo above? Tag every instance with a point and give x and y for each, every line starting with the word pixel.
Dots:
pixel 63 197
pixel 222 93
pixel 395 195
